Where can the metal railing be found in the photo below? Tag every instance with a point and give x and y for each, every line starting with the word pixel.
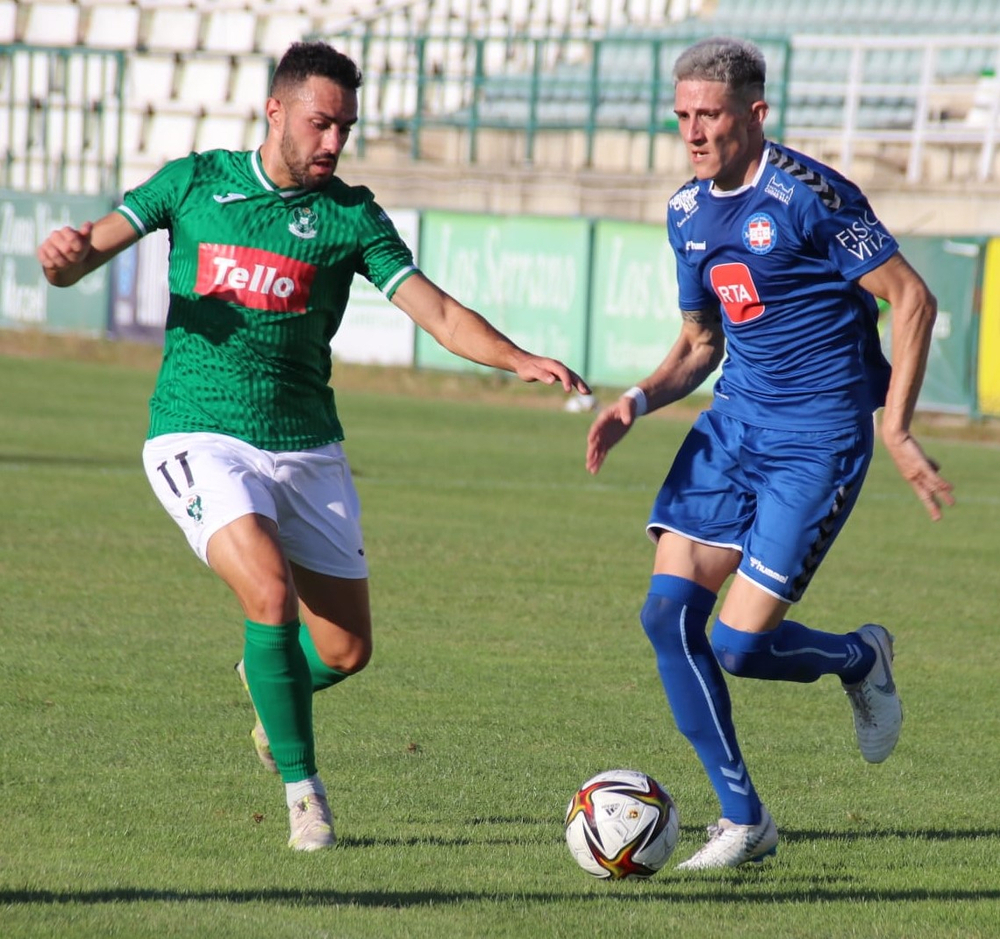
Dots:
pixel 915 94
pixel 61 119
pixel 911 95
pixel 528 85
pixel 916 103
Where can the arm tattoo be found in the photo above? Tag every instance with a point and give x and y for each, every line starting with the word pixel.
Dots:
pixel 708 318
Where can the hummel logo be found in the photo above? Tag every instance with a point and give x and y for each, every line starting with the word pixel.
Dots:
pixel 230 197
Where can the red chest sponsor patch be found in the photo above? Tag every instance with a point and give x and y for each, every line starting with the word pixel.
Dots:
pixel 734 286
pixel 254 278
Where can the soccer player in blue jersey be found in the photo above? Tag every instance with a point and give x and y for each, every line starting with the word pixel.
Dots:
pixel 779 263
pixel 244 447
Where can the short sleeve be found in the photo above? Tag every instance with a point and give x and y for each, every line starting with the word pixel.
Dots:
pixel 151 205
pixel 386 259
pixel 691 293
pixel 851 236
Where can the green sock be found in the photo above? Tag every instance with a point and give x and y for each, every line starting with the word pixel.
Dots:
pixel 278 676
pixel 322 675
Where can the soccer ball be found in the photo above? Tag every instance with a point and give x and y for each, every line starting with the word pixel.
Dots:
pixel 621 824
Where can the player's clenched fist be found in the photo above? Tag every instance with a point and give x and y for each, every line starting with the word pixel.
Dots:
pixel 64 248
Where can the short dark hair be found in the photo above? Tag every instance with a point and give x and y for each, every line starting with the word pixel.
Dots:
pixel 737 63
pixel 302 60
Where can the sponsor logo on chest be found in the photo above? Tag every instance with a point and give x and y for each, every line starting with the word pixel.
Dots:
pixel 733 285
pixel 251 277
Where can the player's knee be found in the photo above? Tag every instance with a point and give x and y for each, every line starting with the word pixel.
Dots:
pixel 357 657
pixel 743 655
pixel 738 664
pixel 269 600
pixel 349 655
pixel 658 620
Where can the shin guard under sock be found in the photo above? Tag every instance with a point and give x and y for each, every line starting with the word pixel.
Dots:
pixel 280 686
pixel 791 652
pixel 675 617
pixel 322 675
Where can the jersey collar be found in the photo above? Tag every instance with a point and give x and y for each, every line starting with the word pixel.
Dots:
pixel 258 168
pixel 728 194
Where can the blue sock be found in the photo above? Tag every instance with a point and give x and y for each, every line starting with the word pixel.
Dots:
pixel 792 652
pixel 674 617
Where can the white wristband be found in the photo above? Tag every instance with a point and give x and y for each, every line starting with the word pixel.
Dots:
pixel 639 397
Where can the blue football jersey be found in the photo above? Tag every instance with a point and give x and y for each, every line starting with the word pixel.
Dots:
pixel 780 258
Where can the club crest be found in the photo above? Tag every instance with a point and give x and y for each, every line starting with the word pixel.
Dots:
pixel 303 224
pixel 760 233
pixel 194 508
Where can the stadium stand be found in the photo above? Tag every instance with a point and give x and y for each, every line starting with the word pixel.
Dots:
pixel 904 87
pixel 873 78
pixel 111 25
pixel 172 29
pixel 8 21
pixel 51 24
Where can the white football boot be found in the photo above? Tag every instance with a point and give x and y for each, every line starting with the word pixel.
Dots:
pixel 311 824
pixel 730 845
pixel 878 712
pixel 261 745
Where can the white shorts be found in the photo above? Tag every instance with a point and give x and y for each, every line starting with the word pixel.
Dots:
pixel 205 481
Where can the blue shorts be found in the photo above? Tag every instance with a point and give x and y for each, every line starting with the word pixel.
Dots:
pixel 780 498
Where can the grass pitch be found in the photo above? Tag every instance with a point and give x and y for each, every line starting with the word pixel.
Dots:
pixel 509 666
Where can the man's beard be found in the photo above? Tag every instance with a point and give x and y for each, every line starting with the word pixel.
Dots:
pixel 299 169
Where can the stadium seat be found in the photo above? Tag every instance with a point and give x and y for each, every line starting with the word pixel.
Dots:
pixel 51 24
pixel 250 81
pixel 168 134
pixel 133 122
pixel 17 132
pixel 91 80
pixel 229 30
pixel 8 21
pixel 204 79
pixel 233 131
pixel 110 25
pixel 61 126
pixel 151 78
pixel 985 16
pixel 24 76
pixel 277 30
pixel 173 29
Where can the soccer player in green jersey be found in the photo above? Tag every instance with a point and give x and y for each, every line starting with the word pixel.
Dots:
pixel 244 444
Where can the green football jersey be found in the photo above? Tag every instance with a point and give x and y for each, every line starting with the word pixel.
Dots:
pixel 259 279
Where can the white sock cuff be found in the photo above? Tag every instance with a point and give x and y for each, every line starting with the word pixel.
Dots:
pixel 297 791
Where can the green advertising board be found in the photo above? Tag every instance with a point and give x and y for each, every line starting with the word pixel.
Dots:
pixel 634 315
pixel 26 297
pixel 528 276
pixel 952 269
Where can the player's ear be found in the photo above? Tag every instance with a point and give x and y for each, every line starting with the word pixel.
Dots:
pixel 274 110
pixel 758 113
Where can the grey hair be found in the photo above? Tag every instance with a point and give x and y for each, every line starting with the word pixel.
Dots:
pixel 738 63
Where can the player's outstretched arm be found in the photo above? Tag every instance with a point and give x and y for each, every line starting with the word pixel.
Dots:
pixel 466 333
pixel 914 309
pixel 692 358
pixel 71 253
